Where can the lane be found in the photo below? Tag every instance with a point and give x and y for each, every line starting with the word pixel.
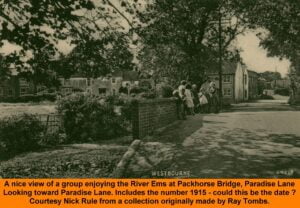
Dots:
pixel 255 143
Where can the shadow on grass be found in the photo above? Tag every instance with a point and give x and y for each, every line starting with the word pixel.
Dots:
pixel 286 139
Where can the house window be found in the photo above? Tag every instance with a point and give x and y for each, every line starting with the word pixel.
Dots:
pixel 102 90
pixel 23 81
pixel 9 92
pixel 227 78
pixel 24 90
pixel 113 80
pixel 227 92
pixel 67 90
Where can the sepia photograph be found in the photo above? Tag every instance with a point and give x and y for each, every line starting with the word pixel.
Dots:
pixel 150 89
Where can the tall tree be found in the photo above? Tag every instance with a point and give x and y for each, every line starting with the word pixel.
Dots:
pixel 192 26
pixel 95 58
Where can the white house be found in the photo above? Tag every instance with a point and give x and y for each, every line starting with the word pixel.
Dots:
pixel 238 83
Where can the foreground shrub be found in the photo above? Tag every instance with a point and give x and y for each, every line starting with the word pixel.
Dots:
pixel 86 118
pixel 19 133
pixel 52 139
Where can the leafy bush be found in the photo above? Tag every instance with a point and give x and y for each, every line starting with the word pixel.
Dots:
pixel 86 119
pixel 115 100
pixel 135 90
pixel 19 133
pixel 53 139
pixel 149 95
pixel 282 91
pixel 166 91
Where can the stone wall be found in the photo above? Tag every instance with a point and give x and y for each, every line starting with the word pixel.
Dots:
pixel 149 115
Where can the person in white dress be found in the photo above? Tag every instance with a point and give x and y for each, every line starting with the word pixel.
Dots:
pixel 203 101
pixel 181 100
pixel 189 99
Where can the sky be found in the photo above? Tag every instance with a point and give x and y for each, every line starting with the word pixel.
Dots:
pixel 255 57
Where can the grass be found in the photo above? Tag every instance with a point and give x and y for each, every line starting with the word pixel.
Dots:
pixel 8 109
pixel 72 161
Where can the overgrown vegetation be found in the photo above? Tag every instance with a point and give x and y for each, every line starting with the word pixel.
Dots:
pixel 66 162
pixel 19 134
pixel 86 118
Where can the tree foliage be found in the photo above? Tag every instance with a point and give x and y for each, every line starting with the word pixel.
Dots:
pixel 39 26
pixel 281 19
pixel 177 37
pixel 98 57
pixel 190 27
pixel 270 76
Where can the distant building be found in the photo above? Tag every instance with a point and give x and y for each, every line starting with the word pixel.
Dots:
pixel 238 83
pixel 15 87
pixel 129 78
pixel 108 85
pixel 282 83
pixel 104 86
pixel 73 84
pixel 253 85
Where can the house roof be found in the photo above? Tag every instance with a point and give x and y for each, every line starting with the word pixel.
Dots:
pixel 252 72
pixel 228 68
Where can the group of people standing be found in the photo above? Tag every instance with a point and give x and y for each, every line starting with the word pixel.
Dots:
pixel 191 99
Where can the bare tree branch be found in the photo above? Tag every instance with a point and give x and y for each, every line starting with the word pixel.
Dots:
pixel 127 20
